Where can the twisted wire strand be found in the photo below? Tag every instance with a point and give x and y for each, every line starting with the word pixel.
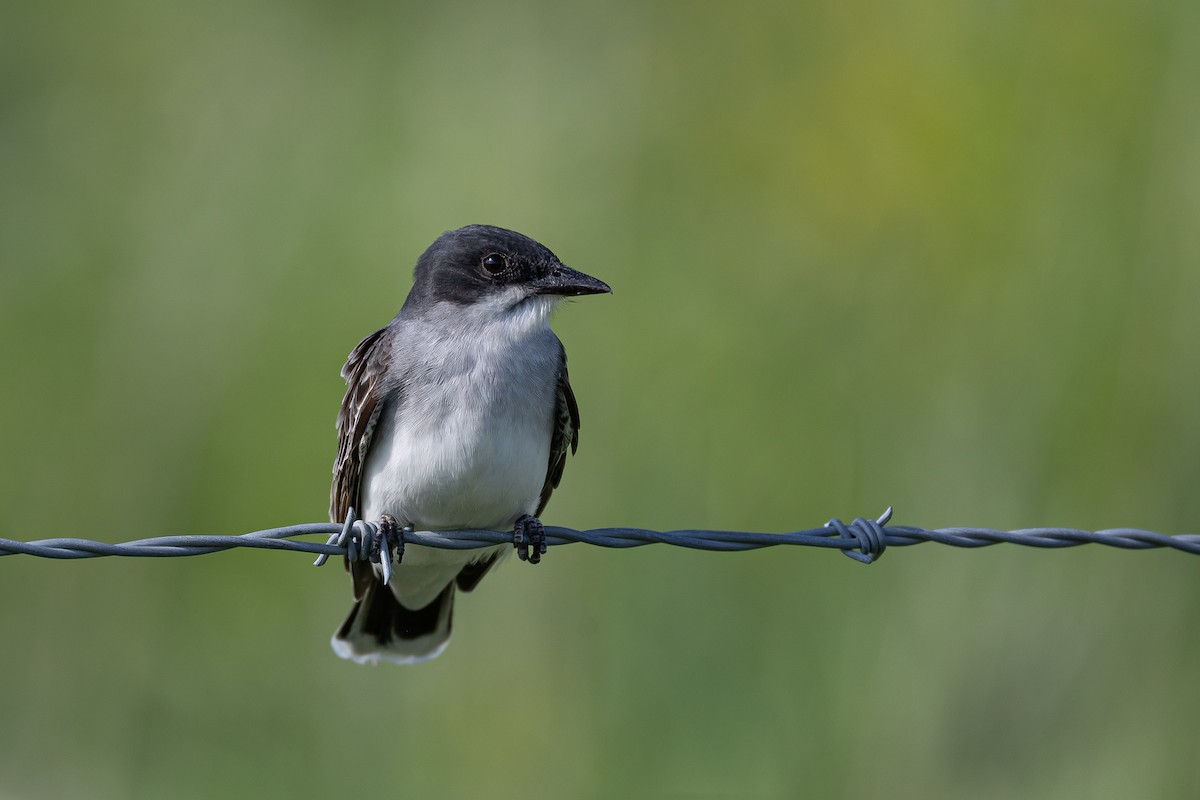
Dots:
pixel 863 539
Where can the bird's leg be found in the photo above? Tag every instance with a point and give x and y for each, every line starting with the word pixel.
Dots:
pixel 529 538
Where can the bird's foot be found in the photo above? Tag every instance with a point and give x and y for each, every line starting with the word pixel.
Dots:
pixel 388 547
pixel 529 539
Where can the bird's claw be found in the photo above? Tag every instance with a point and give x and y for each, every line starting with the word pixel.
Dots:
pixel 388 547
pixel 529 539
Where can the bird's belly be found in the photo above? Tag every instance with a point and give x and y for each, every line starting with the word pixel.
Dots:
pixel 457 470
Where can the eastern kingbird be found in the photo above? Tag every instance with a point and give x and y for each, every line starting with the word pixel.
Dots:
pixel 457 415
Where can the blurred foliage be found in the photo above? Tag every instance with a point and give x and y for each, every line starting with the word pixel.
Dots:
pixel 943 257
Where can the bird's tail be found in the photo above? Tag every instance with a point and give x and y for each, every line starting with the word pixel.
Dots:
pixel 380 629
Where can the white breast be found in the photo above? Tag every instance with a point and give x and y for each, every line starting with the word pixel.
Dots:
pixel 467 443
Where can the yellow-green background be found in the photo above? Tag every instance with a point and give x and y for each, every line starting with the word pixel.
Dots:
pixel 944 256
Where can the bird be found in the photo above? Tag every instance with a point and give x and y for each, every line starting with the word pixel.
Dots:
pixel 458 414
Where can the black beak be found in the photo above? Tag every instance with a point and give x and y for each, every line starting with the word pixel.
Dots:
pixel 567 282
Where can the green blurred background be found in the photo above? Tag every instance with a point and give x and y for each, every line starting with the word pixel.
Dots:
pixel 943 256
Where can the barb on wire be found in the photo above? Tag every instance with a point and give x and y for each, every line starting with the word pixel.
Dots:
pixel 863 539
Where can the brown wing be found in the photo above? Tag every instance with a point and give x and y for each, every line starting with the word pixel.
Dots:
pixel 356 422
pixel 565 435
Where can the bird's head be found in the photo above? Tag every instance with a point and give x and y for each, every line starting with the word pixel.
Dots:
pixel 496 271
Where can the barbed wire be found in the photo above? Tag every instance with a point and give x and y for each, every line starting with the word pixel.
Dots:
pixel 863 539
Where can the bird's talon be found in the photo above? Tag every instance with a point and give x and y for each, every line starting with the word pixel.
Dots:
pixel 529 539
pixel 389 539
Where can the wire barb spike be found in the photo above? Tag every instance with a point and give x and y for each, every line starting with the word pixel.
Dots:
pixel 868 536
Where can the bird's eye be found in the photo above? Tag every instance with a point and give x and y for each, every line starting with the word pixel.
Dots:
pixel 495 263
